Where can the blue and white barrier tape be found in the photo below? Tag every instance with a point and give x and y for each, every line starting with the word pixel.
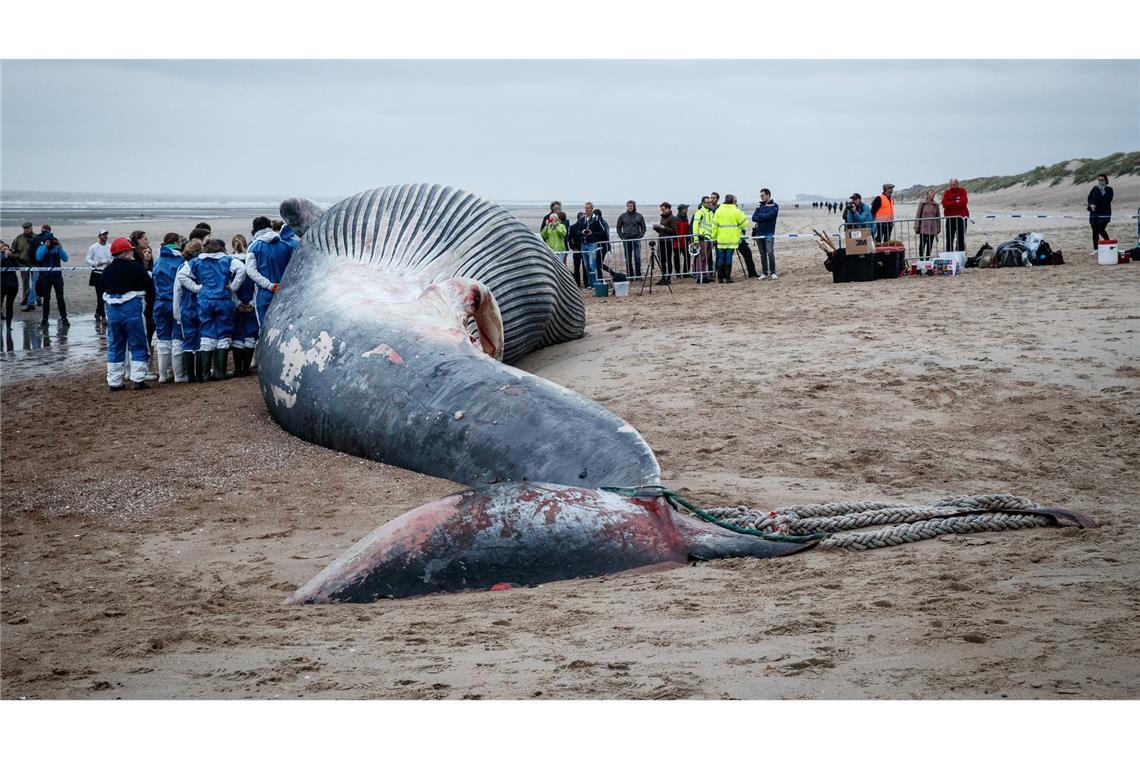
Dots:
pixel 49 269
pixel 1045 216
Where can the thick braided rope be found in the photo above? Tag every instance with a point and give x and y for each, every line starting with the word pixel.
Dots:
pixel 909 532
pixel 910 522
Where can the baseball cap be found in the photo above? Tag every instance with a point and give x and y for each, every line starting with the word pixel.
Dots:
pixel 856 197
pixel 120 245
pixel 887 186
pixel 26 225
pixel 104 232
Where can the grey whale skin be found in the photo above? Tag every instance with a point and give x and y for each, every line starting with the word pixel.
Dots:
pixel 390 338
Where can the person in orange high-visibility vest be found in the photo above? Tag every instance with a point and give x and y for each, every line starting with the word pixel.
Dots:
pixel 883 208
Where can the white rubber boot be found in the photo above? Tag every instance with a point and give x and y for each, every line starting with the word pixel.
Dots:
pixel 179 371
pixel 164 373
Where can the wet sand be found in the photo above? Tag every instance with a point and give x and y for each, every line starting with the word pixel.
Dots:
pixel 149 558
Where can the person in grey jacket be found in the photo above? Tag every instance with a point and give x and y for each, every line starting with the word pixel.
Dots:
pixel 631 228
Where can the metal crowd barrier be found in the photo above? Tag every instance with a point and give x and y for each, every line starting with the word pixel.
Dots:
pixel 903 231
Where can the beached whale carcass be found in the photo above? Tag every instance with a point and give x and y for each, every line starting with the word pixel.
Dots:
pixel 390 338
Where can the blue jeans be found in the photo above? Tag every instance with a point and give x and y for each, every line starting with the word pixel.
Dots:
pixel 632 257
pixel 724 256
pixel 35 276
pixel 588 259
pixel 767 245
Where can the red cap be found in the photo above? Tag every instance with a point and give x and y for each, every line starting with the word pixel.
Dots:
pixel 121 245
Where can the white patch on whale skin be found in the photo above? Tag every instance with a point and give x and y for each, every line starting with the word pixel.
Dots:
pixel 272 333
pixel 627 428
pixel 295 358
pixel 284 397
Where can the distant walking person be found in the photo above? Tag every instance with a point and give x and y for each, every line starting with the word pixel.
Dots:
pixel 631 228
pixel 764 217
pixel 883 209
pixel 955 207
pixel 98 257
pixel 24 249
pixel 1100 209
pixel 51 254
pixel 126 289
pixel 928 224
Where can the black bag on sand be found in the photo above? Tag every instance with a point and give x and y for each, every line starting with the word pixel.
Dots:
pixel 974 260
pixel 836 263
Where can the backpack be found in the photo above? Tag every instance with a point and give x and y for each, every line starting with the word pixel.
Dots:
pixel 975 260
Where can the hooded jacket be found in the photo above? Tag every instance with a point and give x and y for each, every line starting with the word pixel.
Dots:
pixel 267 258
pixel 728 225
pixel 860 216
pixel 555 236
pixel 164 271
pixel 703 222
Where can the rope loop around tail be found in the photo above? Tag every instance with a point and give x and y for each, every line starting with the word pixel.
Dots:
pixel 833 525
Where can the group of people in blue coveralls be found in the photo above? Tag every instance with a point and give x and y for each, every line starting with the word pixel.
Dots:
pixel 205 302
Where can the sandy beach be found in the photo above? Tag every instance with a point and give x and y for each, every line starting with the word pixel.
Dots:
pixel 157 568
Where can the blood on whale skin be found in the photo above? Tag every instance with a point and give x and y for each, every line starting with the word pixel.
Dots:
pixel 522 534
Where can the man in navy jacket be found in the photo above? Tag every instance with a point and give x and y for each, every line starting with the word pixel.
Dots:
pixel 765 232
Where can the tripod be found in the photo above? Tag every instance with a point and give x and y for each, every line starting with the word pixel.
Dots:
pixel 649 271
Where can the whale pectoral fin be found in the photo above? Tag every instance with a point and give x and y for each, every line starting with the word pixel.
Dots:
pixel 300 213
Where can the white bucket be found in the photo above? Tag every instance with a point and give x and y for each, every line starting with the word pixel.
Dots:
pixel 1106 253
pixel 621 289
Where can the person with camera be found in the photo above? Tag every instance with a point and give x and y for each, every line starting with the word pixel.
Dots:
pixel 667 231
pixel 764 217
pixel 554 235
pixel 631 228
pixel 51 254
pixel 857 214
pixel 574 242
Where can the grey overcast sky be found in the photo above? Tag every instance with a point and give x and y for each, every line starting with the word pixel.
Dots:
pixel 534 130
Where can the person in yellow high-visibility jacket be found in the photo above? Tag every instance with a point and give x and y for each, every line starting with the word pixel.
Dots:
pixel 729 223
pixel 703 235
